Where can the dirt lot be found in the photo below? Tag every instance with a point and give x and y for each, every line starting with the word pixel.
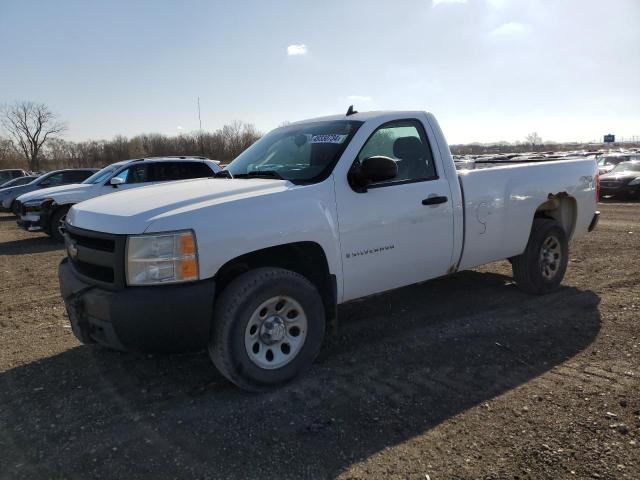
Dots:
pixel 463 377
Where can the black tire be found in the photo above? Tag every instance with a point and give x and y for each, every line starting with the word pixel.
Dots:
pixel 234 310
pixel 533 271
pixel 54 224
pixel 13 208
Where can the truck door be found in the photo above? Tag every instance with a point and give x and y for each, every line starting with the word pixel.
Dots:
pixel 399 231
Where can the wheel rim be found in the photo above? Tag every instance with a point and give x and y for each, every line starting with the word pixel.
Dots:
pixel 275 332
pixel 550 257
pixel 61 225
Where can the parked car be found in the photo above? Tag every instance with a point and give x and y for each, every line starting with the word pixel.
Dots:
pixel 8 196
pixel 44 210
pixel 622 181
pixel 607 163
pixel 9 174
pixel 18 181
pixel 253 263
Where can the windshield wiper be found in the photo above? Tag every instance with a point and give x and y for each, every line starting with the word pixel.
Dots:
pixel 261 174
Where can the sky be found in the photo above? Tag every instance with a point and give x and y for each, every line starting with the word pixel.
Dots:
pixel 490 70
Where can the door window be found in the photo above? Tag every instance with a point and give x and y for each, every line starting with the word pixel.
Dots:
pixel 406 143
pixel 53 181
pixel 76 176
pixel 167 171
pixel 135 174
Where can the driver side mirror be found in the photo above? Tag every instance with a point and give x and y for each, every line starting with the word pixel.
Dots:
pixel 115 181
pixel 373 169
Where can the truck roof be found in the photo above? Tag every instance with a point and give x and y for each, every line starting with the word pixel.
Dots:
pixel 364 116
pixel 167 158
pixel 164 158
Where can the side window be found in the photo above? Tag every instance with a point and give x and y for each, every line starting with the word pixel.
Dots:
pixel 135 174
pixel 55 180
pixel 167 171
pixel 405 142
pixel 124 174
pixel 194 170
pixel 75 176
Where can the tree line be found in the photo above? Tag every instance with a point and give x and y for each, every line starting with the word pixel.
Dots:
pixel 33 142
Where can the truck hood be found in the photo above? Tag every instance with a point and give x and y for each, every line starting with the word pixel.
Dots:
pixel 133 211
pixel 56 192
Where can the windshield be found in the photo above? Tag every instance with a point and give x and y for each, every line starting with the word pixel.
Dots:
pixel 101 175
pixel 626 167
pixel 301 153
pixel 35 180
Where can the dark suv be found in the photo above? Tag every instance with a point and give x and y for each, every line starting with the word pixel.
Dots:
pixel 10 174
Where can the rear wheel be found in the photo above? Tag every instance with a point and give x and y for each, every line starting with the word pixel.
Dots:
pixel 268 327
pixel 542 266
pixel 56 224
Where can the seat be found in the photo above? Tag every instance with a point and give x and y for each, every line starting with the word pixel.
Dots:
pixel 411 154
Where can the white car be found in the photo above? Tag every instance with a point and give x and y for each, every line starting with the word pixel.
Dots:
pixel 45 209
pixel 314 214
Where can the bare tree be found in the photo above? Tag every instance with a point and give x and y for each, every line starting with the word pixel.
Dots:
pixel 31 125
pixel 533 139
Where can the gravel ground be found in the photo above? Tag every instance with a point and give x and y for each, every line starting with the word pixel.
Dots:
pixel 462 377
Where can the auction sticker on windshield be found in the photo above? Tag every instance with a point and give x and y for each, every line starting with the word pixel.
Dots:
pixel 329 138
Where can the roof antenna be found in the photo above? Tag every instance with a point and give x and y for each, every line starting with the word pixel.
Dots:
pixel 351 111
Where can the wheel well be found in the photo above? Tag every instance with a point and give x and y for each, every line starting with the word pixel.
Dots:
pixel 306 258
pixel 562 208
pixel 55 209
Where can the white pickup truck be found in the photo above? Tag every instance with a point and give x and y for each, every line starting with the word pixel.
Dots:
pixel 252 264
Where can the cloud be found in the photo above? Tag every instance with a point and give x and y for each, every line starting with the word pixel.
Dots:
pixel 179 127
pixel 299 49
pixel 497 3
pixel 510 28
pixel 446 2
pixel 359 98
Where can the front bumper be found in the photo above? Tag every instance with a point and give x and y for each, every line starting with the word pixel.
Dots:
pixel 35 220
pixel 169 318
pixel 32 223
pixel 622 190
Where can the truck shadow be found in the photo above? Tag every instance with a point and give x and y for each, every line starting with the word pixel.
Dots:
pixel 39 244
pixel 402 363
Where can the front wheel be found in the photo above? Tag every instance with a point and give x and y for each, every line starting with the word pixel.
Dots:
pixel 268 327
pixel 541 267
pixel 56 224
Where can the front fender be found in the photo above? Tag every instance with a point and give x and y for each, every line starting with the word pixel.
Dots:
pixel 305 213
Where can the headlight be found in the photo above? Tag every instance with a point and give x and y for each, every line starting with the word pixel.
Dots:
pixel 37 205
pixel 162 258
pixel 635 182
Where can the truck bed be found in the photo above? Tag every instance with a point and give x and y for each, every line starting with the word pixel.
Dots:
pixel 500 201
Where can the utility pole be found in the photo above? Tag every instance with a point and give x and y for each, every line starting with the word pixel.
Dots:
pixel 200 135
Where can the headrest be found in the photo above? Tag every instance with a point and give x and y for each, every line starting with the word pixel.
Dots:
pixel 408 148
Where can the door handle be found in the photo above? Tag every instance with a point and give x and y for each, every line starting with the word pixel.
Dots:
pixel 436 200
